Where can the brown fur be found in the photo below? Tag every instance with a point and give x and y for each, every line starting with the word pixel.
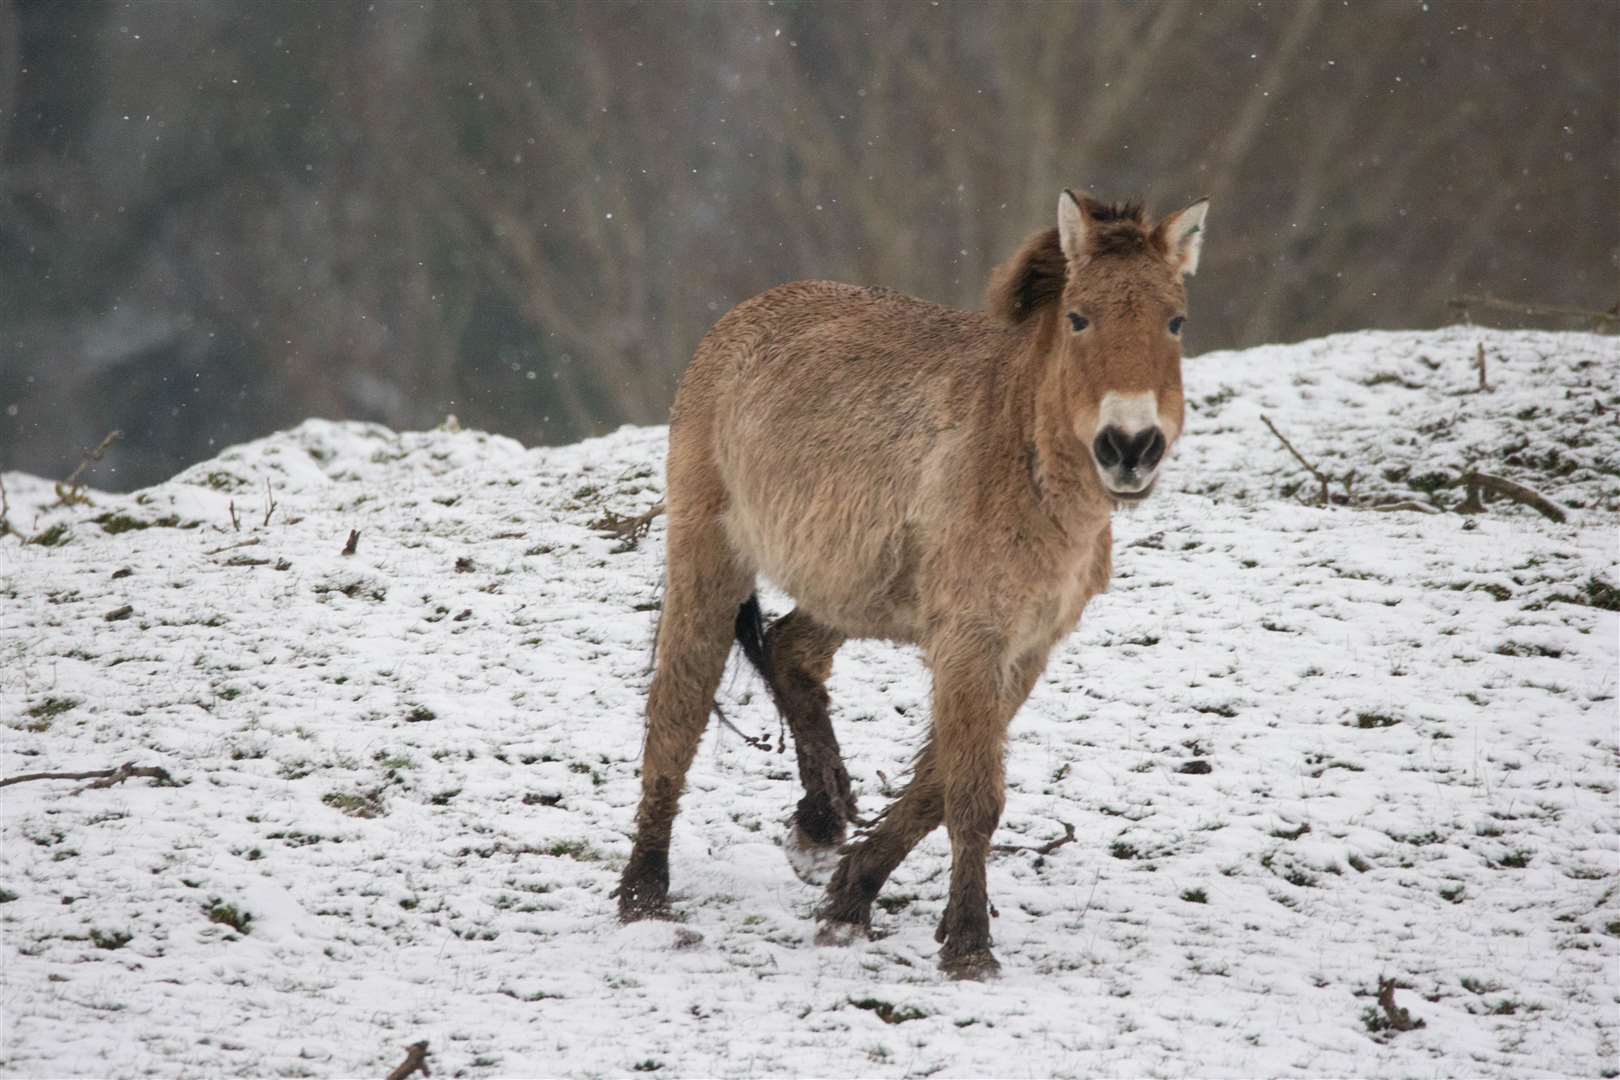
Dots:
pixel 910 472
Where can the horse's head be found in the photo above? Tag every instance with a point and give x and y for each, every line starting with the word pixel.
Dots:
pixel 1119 333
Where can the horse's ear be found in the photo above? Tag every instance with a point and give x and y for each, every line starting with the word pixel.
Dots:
pixel 1182 236
pixel 1072 226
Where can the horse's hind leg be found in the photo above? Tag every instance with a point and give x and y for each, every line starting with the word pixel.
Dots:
pixel 704 583
pixel 868 862
pixel 800 652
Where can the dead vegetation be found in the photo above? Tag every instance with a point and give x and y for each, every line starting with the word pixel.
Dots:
pixel 1475 484
pixel 102 777
pixel 70 492
pixel 631 528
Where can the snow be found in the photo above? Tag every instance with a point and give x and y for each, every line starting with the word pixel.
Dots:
pixel 414 767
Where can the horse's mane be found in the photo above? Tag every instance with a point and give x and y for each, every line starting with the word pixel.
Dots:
pixel 1034 276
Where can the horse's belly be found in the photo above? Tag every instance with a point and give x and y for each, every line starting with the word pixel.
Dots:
pixel 855 576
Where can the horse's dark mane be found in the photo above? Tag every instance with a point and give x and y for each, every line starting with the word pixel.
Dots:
pixel 1035 275
pixel 1029 280
pixel 1125 211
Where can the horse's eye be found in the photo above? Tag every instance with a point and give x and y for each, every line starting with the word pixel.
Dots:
pixel 1078 321
pixel 1175 324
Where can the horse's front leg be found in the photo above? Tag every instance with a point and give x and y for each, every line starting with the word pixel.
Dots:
pixel 976 692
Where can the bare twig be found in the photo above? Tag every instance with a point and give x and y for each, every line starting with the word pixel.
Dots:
pixel 630 528
pixel 1043 849
pixel 270 498
pixel 1478 482
pixel 1405 504
pixel 885 787
pixel 1463 303
pixel 761 742
pixel 231 547
pixel 1096 875
pixel 236 524
pixel 415 1061
pixel 102 777
pixel 70 492
pixel 5 511
pixel 1321 477
pixel 354 543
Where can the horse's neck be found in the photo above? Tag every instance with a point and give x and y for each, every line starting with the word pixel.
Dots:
pixel 1061 471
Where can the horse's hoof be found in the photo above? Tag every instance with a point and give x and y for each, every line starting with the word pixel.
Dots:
pixel 634 909
pixel 643 890
pixel 978 965
pixel 813 863
pixel 839 933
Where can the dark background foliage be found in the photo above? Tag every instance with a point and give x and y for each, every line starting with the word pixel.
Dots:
pixel 217 219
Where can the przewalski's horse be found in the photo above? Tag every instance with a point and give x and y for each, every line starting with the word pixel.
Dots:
pixel 921 474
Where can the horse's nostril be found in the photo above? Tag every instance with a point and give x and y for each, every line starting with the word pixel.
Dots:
pixel 1108 449
pixel 1154 451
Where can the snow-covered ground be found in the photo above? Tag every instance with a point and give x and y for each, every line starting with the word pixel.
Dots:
pixel 1302 749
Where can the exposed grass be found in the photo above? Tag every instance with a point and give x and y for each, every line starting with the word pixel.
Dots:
pixel 888 1013
pixel 41 715
pixel 110 939
pixel 218 911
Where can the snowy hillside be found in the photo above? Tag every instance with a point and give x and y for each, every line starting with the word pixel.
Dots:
pixel 1302 749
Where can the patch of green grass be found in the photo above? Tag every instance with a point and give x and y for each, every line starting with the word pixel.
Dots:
pixel 1515 860
pixel 573 849
pixel 224 481
pixel 55 536
pixel 368 805
pixel 1195 896
pixel 110 939
pixel 420 715
pixel 41 715
pixel 887 1012
pixel 218 911
pixel 1370 720
pixel 114 523
pixel 1600 594
pixel 1519 648
pixel 1453 893
pixel 1120 849
pixel 1431 482
pixel 1298 877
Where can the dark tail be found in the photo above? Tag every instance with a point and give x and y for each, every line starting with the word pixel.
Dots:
pixel 751 636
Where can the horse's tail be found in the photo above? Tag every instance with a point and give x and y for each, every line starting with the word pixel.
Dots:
pixel 751 636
